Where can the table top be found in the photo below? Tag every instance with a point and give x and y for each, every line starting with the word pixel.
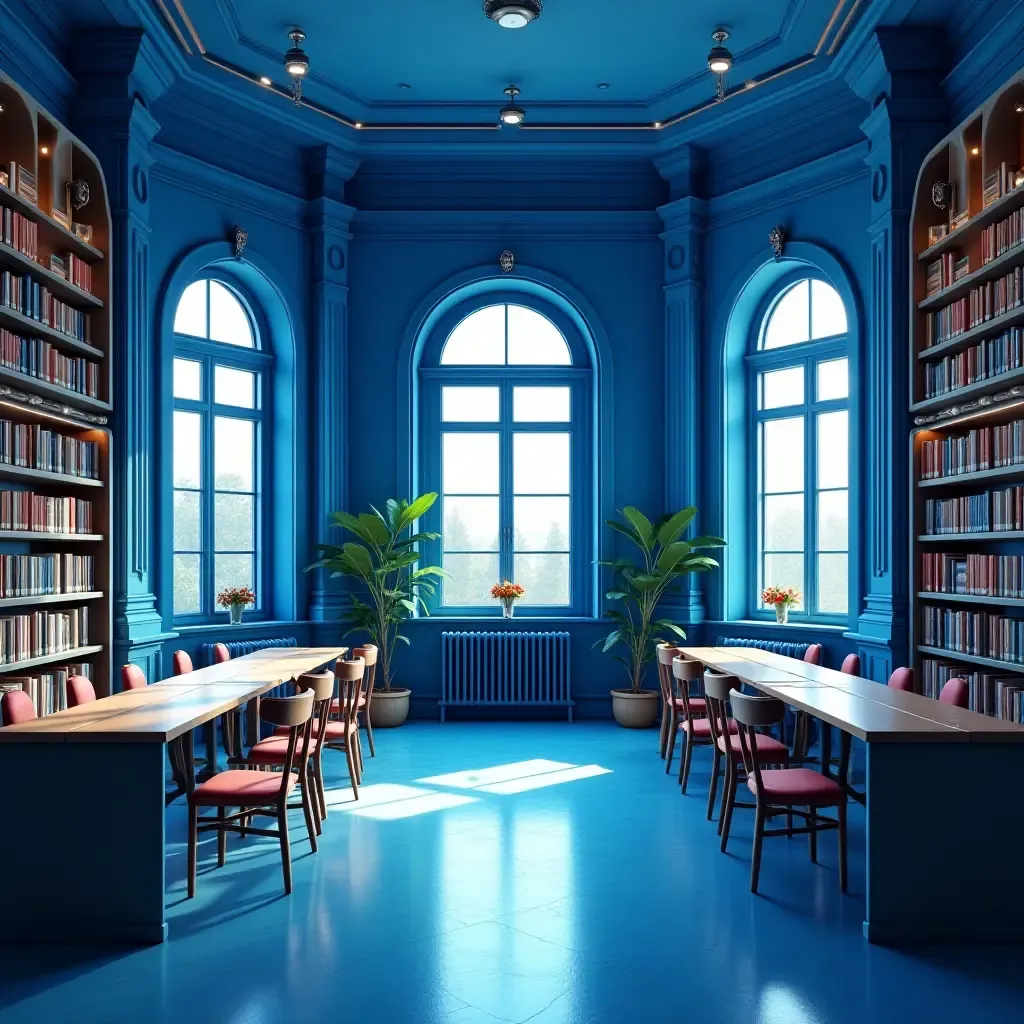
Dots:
pixel 170 707
pixel 866 709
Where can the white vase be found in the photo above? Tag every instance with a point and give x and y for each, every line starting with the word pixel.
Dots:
pixel 235 611
pixel 508 607
pixel 782 613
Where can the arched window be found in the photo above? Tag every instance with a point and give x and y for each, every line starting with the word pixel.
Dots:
pixel 799 391
pixel 505 415
pixel 221 393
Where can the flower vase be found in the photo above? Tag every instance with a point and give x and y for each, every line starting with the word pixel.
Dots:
pixel 782 613
pixel 508 607
pixel 235 611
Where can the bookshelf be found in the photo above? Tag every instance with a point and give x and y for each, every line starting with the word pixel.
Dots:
pixel 55 334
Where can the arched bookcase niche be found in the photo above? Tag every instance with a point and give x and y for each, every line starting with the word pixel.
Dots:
pixel 55 405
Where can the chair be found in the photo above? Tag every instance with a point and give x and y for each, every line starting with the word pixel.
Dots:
pixel 851 665
pixel 273 751
pixel 264 793
pixel 718 688
pixel 182 663
pixel 955 691
pixel 902 679
pixel 778 790
pixel 812 656
pixel 696 730
pixel 80 691
pixel 16 706
pixel 369 655
pixel 671 705
pixel 132 677
pixel 220 654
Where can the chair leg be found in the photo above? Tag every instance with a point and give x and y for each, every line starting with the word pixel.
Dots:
pixel 684 768
pixel 307 812
pixel 318 771
pixel 673 731
pixel 193 844
pixel 663 735
pixel 726 783
pixel 222 841
pixel 352 775
pixel 286 848
pixel 713 791
pixel 730 806
pixel 369 733
pixel 841 815
pixel 812 822
pixel 755 860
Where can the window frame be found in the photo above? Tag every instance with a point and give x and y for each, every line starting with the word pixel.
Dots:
pixel 578 376
pixel 255 360
pixel 806 354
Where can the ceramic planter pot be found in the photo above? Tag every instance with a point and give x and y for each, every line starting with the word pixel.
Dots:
pixel 389 708
pixel 635 710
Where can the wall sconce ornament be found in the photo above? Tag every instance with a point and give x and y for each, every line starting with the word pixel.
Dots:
pixel 942 195
pixel 507 262
pixel 777 237
pixel 240 239
pixel 78 194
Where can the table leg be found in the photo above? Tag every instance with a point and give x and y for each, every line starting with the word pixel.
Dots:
pixel 826 749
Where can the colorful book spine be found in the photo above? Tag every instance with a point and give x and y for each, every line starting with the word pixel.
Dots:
pixel 979 633
pixel 31 446
pixel 39 575
pixel 981 304
pixel 43 633
pixel 978 575
pixel 19 232
pixel 32 299
pixel 990 693
pixel 979 449
pixel 41 513
pixel 48 690
pixel 983 361
pixel 991 512
pixel 38 358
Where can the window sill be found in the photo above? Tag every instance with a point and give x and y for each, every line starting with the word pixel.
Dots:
pixel 811 627
pixel 246 625
pixel 518 619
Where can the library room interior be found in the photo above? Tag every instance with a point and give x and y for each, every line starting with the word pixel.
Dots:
pixel 511 511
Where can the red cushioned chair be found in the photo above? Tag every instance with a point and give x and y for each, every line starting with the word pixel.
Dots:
pixel 80 691
pixel 783 790
pixel 672 708
pixel 132 677
pixel 718 688
pixel 696 731
pixel 956 692
pixel 263 793
pixel 220 654
pixel 16 707
pixel 369 655
pixel 902 679
pixel 851 665
pixel 182 663
pixel 812 656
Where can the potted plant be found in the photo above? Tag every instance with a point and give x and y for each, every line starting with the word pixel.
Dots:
pixel 236 599
pixel 508 593
pixel 665 560
pixel 782 598
pixel 384 562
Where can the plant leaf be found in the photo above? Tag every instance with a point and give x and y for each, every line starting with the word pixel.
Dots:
pixel 673 527
pixel 672 555
pixel 641 524
pixel 628 531
pixel 417 507
pixel 707 542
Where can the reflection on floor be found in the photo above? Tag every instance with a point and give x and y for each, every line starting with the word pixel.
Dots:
pixel 513 872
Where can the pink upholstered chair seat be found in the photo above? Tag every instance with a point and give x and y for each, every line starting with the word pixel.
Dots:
pixel 799 786
pixel 239 788
pixel 701 727
pixel 698 706
pixel 273 750
pixel 769 750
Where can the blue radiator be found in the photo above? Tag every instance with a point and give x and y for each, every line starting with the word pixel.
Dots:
pixel 775 646
pixel 505 669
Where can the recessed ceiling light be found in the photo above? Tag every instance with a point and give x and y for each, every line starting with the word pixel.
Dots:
pixel 510 113
pixel 264 80
pixel 513 14
pixel 359 124
pixel 603 85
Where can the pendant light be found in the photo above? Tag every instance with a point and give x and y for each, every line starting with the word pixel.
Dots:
pixel 512 113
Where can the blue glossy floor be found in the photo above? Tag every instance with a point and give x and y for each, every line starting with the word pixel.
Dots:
pixel 513 872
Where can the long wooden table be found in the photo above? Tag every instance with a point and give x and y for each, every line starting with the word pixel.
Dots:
pixel 943 830
pixel 85 799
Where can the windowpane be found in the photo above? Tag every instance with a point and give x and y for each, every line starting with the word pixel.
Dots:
pixel 470 463
pixel 833 583
pixel 783 448
pixel 833 379
pixel 187 534
pixel 232 571
pixel 541 405
pixel 188 379
pixel 785 571
pixel 190 316
pixel 471 524
pixel 228 320
pixel 186 584
pixel 784 522
pixel 833 449
pixel 828 314
pixel 471 579
pixel 477 340
pixel 234 387
pixel 541 524
pixel 540 463
pixel 534 340
pixel 782 387
pixel 833 520
pixel 187 464
pixel 544 577
pixel 234 522
pixel 789 323
pixel 233 449
pixel 471 405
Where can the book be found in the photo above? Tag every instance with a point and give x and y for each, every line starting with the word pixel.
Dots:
pixel 61 218
pixel 959 220
pixel 987 359
pixel 38 358
pixel 26 183
pixel 41 513
pixel 936 233
pixel 57 266
pixel 961 268
pixel 33 446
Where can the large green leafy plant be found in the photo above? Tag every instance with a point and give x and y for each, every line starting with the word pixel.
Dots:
pixel 640 585
pixel 384 561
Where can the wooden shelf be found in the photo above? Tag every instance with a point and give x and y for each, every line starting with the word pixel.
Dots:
pixel 1001 602
pixel 52 231
pixel 49 659
pixel 996 325
pixel 935 538
pixel 988 386
pixel 63 289
pixel 54 391
pixel 1000 473
pixel 42 475
pixel 989 215
pixel 22 602
pixel 973 659
pixel 960 288
pixel 52 537
pixel 18 321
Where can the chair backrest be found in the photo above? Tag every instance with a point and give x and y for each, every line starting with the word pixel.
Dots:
pixel 684 672
pixel 182 663
pixel 369 656
pixel 132 677
pixel 902 679
pixel 296 714
pixel 812 656
pixel 16 707
pixel 851 664
pixel 220 654
pixel 80 691
pixel 956 692
pixel 322 686
pixel 718 687
pixel 666 654
pixel 750 714
pixel 349 675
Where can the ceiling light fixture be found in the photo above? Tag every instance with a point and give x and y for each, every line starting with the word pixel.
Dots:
pixel 296 63
pixel 510 113
pixel 264 80
pixel 513 15
pixel 1019 108
pixel 719 61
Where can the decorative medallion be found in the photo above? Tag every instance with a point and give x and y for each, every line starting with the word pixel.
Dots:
pixel 676 257
pixel 336 257
pixel 777 237
pixel 78 193
pixel 879 183
pixel 942 194
pixel 139 184
pixel 507 262
pixel 241 238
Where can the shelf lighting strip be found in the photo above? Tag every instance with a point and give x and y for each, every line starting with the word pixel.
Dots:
pixel 184 22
